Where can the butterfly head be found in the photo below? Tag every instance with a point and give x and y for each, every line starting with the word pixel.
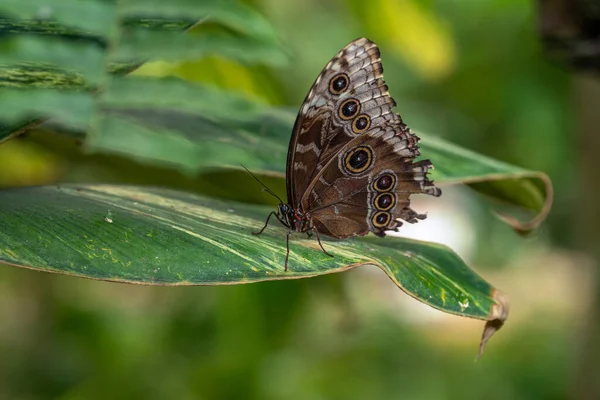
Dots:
pixel 286 215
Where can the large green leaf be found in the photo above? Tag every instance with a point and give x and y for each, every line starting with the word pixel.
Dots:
pixel 163 237
pixel 74 49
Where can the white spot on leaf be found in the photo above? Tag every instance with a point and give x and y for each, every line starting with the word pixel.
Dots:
pixel 44 12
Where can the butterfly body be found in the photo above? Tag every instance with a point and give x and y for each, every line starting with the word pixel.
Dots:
pixel 351 161
pixel 294 219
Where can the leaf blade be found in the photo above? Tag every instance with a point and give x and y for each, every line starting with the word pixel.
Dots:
pixel 163 237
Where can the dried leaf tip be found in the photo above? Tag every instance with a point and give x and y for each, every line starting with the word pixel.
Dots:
pixel 496 320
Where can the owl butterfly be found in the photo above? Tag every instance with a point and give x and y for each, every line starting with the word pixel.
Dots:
pixel 351 161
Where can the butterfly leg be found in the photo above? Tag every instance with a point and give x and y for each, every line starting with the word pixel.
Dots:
pixel 321 244
pixel 266 223
pixel 287 245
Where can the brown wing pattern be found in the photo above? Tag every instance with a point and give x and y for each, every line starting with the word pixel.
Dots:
pixel 320 130
pixel 351 159
pixel 368 185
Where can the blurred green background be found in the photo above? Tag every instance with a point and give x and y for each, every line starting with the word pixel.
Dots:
pixel 472 72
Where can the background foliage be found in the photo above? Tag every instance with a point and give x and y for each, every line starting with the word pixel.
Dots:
pixel 480 82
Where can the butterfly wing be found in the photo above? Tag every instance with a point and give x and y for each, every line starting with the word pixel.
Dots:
pixel 351 159
pixel 320 130
pixel 367 185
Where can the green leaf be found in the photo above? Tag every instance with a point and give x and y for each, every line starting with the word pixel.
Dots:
pixel 171 46
pixel 56 54
pixel 163 237
pixel 71 108
pixel 176 94
pixel 233 14
pixel 77 47
pixel 83 16
pixel 531 190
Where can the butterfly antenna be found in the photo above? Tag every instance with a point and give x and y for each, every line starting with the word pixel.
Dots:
pixel 265 188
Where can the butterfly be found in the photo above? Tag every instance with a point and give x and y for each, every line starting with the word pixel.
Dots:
pixel 351 161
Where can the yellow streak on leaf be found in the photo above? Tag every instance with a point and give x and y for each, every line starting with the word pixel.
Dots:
pixel 214 243
pixel 213 70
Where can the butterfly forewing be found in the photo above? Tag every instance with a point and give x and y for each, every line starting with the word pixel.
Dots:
pixel 325 121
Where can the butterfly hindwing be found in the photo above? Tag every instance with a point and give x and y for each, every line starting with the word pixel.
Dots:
pixel 369 182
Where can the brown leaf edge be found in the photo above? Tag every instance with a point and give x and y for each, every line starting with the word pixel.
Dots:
pixel 496 320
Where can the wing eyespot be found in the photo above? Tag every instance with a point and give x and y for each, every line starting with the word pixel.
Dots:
pixel 384 201
pixel 384 183
pixel 338 84
pixel 361 123
pixel 348 109
pixel 381 219
pixel 358 160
